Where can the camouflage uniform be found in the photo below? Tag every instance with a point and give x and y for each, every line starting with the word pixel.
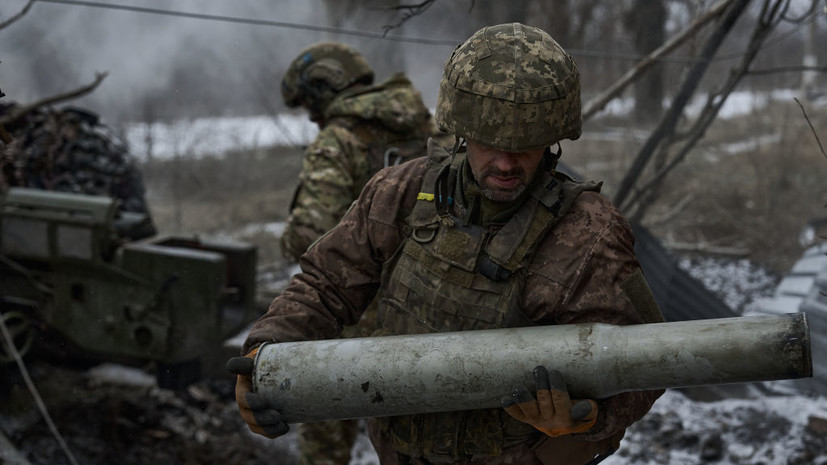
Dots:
pixel 561 284
pixel 423 239
pixel 364 129
pixel 360 127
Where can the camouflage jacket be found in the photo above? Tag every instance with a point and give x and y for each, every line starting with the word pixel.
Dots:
pixel 360 126
pixel 574 276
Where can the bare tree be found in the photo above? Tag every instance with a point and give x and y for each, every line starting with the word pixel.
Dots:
pixel 20 111
pixel 666 145
pixel 599 102
pixel 5 137
pixel 808 78
pixel 647 22
pixel 376 12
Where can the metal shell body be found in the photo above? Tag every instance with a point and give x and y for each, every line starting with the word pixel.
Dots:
pixel 396 375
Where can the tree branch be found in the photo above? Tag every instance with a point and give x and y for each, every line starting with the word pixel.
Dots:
pixel 598 103
pixel 766 23
pixel 21 111
pixel 19 15
pixel 811 127
pixel 410 11
pixel 413 10
pixel 670 119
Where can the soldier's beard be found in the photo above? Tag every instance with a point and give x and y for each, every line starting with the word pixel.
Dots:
pixel 501 194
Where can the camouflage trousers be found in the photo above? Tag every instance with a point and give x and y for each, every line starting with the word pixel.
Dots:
pixel 331 442
pixel 327 442
pixel 517 455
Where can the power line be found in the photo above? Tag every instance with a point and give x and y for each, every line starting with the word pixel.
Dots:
pixel 310 27
pixel 257 22
pixel 375 35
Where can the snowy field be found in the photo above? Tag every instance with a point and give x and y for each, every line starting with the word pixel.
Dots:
pixel 211 136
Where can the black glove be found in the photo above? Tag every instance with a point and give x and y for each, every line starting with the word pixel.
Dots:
pixel 553 412
pixel 255 409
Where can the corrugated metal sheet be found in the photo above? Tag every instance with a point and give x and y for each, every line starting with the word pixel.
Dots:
pixel 680 296
pixel 804 289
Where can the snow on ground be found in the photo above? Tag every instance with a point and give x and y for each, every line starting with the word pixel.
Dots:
pixel 211 136
pixel 215 136
pixel 771 430
pixel 738 283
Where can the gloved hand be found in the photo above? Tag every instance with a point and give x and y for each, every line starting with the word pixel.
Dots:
pixel 255 410
pixel 552 412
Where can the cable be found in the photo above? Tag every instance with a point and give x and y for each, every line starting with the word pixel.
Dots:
pixel 7 338
pixel 376 35
pixel 258 22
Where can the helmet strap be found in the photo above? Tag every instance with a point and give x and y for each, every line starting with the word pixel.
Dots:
pixel 317 94
pixel 458 142
pixel 552 158
pixel 446 184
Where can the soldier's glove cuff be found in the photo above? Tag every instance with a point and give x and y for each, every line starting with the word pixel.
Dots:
pixel 552 412
pixel 255 410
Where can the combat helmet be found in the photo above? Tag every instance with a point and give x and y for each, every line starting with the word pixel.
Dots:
pixel 320 72
pixel 511 87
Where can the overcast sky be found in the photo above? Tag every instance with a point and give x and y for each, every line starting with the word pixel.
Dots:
pixel 162 66
pixel 173 62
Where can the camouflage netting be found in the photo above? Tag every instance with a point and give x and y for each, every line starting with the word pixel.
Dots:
pixel 69 150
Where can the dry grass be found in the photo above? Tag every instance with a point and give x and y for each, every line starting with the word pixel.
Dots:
pixel 756 199
pixel 220 196
pixel 751 184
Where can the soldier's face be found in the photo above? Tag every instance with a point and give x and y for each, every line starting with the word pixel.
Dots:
pixel 502 176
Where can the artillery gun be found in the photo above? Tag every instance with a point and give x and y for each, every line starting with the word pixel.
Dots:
pixel 70 264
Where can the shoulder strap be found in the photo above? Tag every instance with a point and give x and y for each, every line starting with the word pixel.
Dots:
pixel 549 202
pixel 426 209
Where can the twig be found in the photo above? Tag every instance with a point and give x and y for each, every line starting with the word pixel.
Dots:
pixel 38 400
pixel 669 121
pixel 412 10
pixel 18 15
pixel 18 112
pixel 598 103
pixel 811 126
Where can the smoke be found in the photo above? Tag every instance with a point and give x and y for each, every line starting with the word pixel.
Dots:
pixel 165 67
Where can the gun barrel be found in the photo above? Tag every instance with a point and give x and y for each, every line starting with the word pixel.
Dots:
pixel 397 375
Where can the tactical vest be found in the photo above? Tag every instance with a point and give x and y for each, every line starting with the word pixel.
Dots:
pixel 449 277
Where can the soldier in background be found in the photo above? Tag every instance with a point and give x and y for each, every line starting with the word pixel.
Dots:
pixel 486 235
pixel 363 128
pixel 69 150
